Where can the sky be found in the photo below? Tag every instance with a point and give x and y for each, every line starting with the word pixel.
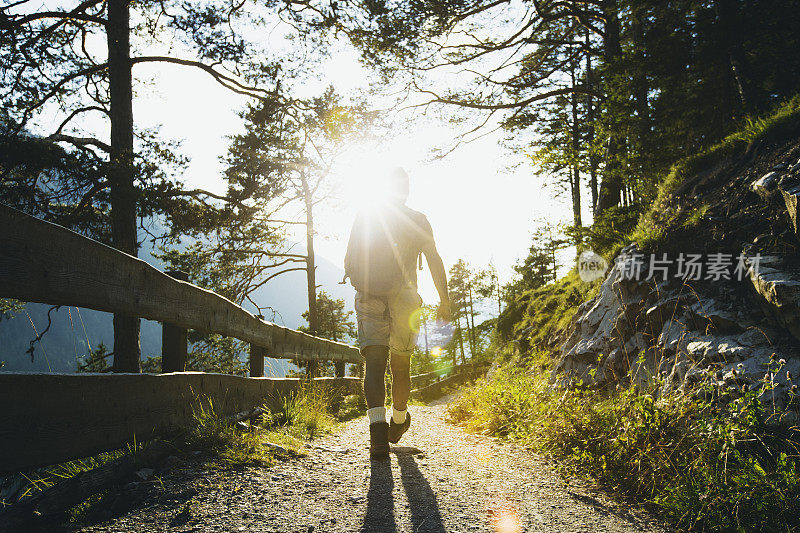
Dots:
pixel 480 205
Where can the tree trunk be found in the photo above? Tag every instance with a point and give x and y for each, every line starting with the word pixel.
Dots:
pixel 640 91
pixel 460 340
pixel 311 275
pixel 127 352
pixel 728 21
pixel 473 344
pixel 590 122
pixel 425 329
pixel 576 176
pixel 611 186
pixel 499 296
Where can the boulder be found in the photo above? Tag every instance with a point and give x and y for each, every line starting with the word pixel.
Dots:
pixel 778 290
pixel 635 332
pixel 766 184
pixel 711 313
pixel 754 337
pixel 791 195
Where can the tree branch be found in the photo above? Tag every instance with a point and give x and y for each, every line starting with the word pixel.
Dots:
pixel 77 112
pixel 225 80
pixel 80 141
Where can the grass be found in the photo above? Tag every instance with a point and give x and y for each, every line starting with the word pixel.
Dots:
pixel 42 479
pixel 536 316
pixel 704 466
pixel 304 414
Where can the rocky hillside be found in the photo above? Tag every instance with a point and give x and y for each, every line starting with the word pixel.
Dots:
pixel 709 291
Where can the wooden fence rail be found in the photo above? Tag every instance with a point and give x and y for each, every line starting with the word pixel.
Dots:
pixel 46 263
pixel 423 380
pixel 432 384
pixel 50 418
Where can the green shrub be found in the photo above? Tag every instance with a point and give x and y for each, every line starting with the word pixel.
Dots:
pixel 703 467
pixel 304 413
pixel 232 444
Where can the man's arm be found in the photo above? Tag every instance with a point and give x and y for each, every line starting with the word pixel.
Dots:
pixel 436 266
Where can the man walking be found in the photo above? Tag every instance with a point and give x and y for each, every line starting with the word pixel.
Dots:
pixel 385 243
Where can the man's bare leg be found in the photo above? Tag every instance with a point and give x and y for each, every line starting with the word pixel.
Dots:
pixel 374 386
pixel 401 390
pixel 375 394
pixel 401 381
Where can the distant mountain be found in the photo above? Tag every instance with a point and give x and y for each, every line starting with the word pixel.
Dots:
pixel 73 331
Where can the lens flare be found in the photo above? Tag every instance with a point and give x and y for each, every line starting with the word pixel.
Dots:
pixel 483 454
pixel 436 351
pixel 415 319
pixel 504 518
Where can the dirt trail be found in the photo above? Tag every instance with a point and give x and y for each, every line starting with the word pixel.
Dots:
pixel 438 479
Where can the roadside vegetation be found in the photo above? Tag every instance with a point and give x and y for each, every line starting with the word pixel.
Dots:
pixel 653 227
pixel 703 466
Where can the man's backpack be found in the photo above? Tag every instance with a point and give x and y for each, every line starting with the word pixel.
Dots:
pixel 374 259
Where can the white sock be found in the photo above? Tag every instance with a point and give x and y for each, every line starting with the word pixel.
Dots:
pixel 399 416
pixel 376 414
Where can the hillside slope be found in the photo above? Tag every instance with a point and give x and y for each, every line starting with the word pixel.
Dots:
pixel 730 319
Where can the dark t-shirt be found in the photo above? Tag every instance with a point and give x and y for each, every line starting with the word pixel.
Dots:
pixel 408 230
pixel 414 237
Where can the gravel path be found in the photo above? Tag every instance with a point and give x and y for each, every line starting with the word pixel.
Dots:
pixel 438 479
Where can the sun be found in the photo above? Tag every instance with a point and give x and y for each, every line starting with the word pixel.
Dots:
pixel 363 177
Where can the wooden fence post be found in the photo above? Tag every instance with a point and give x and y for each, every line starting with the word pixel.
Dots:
pixel 174 344
pixel 257 355
pixel 340 367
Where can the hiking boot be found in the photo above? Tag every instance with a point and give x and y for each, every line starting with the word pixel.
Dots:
pixel 396 430
pixel 379 440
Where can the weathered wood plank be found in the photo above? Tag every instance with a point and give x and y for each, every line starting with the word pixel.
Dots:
pixel 424 389
pixel 50 418
pixel 46 263
pixel 421 380
pixel 56 499
pixel 257 355
pixel 174 340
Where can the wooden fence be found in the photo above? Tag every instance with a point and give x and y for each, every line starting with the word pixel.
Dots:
pixel 49 418
pixel 432 384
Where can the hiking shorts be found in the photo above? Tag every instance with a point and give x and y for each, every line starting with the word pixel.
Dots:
pixel 391 321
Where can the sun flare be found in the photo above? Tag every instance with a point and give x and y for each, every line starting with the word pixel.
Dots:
pixel 364 178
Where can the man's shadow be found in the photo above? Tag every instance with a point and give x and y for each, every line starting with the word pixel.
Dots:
pixel 380 503
pixel 425 514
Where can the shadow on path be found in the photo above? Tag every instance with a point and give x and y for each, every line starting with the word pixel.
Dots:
pixel 380 504
pixel 425 514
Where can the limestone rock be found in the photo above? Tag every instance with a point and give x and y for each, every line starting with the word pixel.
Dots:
pixel 765 185
pixel 791 195
pixel 638 333
pixel 779 291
